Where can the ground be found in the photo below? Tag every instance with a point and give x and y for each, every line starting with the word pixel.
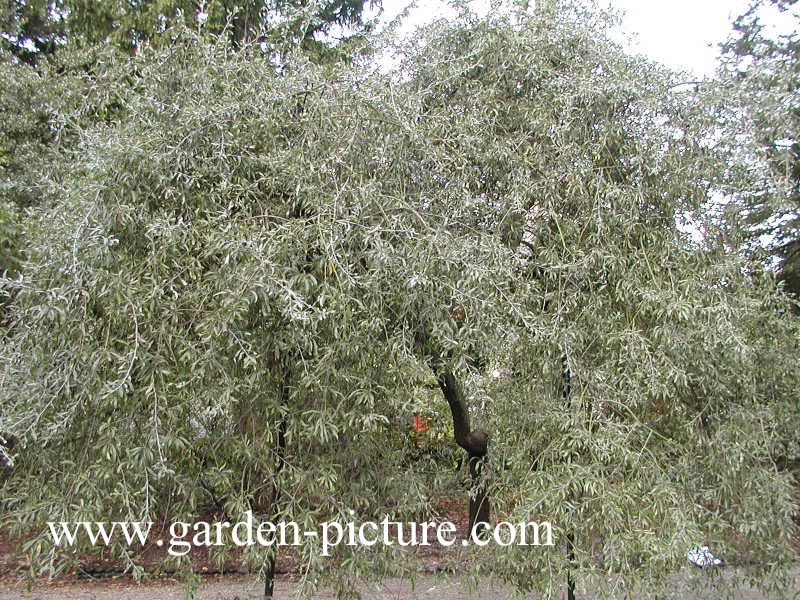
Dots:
pixel 242 587
pixel 101 580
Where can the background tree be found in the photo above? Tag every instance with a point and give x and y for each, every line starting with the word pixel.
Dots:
pixel 30 28
pixel 761 77
pixel 242 22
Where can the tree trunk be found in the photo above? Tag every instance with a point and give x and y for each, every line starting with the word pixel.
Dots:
pixel 244 24
pixel 570 560
pixel 476 443
pixel 269 576
pixel 479 507
pixel 272 508
pixel 566 384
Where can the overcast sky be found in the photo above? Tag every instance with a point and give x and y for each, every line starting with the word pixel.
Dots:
pixel 681 33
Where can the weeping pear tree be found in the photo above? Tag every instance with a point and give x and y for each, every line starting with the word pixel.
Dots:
pixel 233 298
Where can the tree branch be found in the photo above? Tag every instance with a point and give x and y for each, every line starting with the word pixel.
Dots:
pixel 474 442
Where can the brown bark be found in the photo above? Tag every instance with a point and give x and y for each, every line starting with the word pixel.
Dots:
pixel 475 442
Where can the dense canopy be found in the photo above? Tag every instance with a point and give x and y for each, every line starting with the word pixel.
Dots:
pixel 244 276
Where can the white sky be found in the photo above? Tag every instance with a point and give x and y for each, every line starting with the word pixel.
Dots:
pixel 681 33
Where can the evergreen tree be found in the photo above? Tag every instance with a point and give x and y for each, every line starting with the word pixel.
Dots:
pixel 761 85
